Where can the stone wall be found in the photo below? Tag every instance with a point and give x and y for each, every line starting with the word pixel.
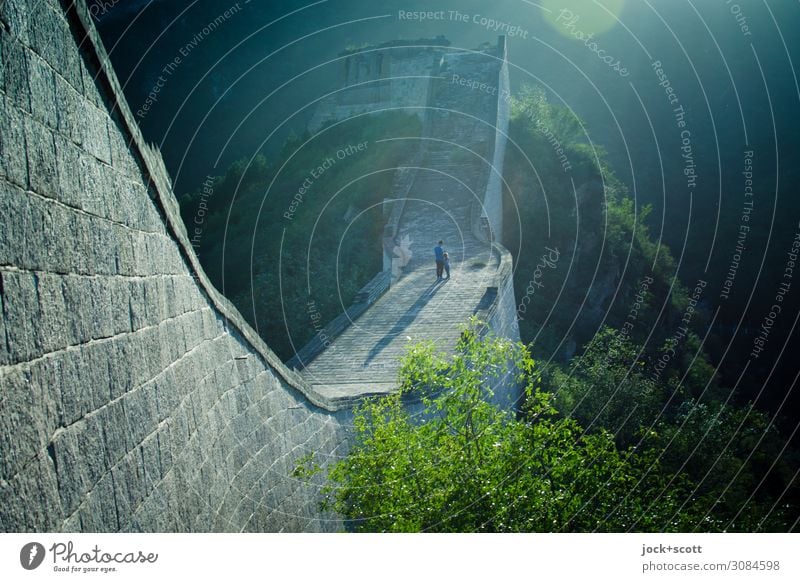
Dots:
pixel 381 78
pixel 493 197
pixel 134 397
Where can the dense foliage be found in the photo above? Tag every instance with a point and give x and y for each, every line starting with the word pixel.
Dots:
pixel 625 340
pixel 466 465
pixel 463 464
pixel 304 229
pixel 627 428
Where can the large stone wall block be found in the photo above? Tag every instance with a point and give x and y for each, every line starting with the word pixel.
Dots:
pixel 70 470
pixel 131 400
pixel 69 105
pixel 120 303
pixel 96 127
pixel 91 445
pixel 53 312
pixel 90 84
pixel 16 84
pixel 51 39
pixel 96 374
pixel 102 307
pixel 152 458
pixel 23 423
pixel 21 305
pixel 98 184
pixel 15 212
pixel 43 91
pixel 16 18
pixel 13 150
pixel 77 298
pixel 141 412
pixel 71 186
pixel 115 433
pixel 41 150
pixel 99 512
pixel 164 449
pixel 29 501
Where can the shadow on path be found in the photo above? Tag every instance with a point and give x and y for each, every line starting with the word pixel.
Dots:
pixel 405 320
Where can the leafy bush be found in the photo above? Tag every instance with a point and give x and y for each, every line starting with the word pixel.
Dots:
pixel 464 465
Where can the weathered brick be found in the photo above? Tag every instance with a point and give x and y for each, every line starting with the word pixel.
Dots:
pixel 98 512
pixel 43 90
pixel 16 16
pixel 21 305
pixel 53 312
pixel 44 32
pixel 92 172
pixel 69 106
pixel 13 157
pixel 76 292
pixel 91 85
pixel 71 187
pixel 70 469
pixel 119 388
pixel 90 442
pixel 96 137
pixel 16 82
pixel 29 502
pixel 115 435
pixel 41 158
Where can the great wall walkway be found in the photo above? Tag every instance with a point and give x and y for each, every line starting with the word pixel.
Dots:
pixel 443 202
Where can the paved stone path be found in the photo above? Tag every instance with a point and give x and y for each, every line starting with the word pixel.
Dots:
pixel 451 180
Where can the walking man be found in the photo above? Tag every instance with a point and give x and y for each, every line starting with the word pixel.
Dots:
pixel 438 252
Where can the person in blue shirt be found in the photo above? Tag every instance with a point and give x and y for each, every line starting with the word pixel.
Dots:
pixel 438 252
pixel 447 265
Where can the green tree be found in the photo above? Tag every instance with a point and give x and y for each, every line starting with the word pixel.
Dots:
pixel 461 464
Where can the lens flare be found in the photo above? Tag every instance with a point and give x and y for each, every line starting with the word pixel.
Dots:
pixel 585 16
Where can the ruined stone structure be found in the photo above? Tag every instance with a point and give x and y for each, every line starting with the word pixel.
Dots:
pixel 134 396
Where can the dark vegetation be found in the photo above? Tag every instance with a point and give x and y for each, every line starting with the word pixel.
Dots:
pixel 273 265
pixel 625 427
